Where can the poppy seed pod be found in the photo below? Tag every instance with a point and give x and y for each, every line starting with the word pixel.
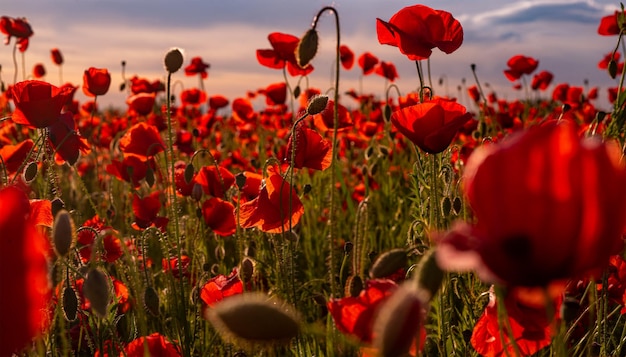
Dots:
pixel 317 104
pixel 307 48
pixel 173 60
pixel 96 290
pixel 253 319
pixel 62 233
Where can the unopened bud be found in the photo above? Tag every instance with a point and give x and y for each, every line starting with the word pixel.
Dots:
pixel 317 104
pixel 189 172
pixel 429 275
pixel 31 172
pixel 150 177
pixel 196 192
pixel 388 263
pixel 240 180
pixel 354 286
pixel 62 233
pixel 70 304
pixel 307 48
pixel 246 271
pixel 57 205
pixel 296 92
pixel 173 60
pixel 457 205
pixel 151 301
pixel 387 113
pixel 254 319
pixel 96 290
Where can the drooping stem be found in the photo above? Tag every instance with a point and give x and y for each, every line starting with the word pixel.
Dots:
pixel 421 79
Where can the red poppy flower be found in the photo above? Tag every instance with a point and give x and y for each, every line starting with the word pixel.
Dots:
pixel 131 169
pixel 197 66
pixel 146 211
pixel 312 150
pixel 172 265
pixel 346 56
pixel 269 212
pixel 96 81
pixel 18 28
pixel 38 104
pixel 23 274
pixel 243 110
pixel 220 287
pixel 39 71
pixel 387 70
pixel 141 103
pixel 355 315
pixel 417 29
pixel 529 326
pixel 143 140
pixel 604 63
pixel 275 94
pixel 474 93
pixel 541 198
pixel 217 101
pixel 219 215
pixel 157 345
pixel 66 141
pixel 57 57
pixel 214 182
pixel 542 80
pixel 282 54
pixel 142 85
pixel 431 125
pixel 13 156
pixel 609 26
pixel 252 188
pixel 367 62
pixel 519 65
pixel 193 97
pixel 325 120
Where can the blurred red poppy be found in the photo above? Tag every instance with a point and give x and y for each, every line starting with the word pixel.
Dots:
pixel 157 345
pixel 243 110
pixel 141 103
pixel 325 120
pixel 220 287
pixel 282 54
pixel 540 198
pixel 367 62
pixel 13 156
pixel 39 71
pixel 66 141
pixel 23 273
pixel 57 57
pixel 275 94
pixel 197 67
pixel 269 212
pixel 604 63
pixel 96 81
pixel 431 125
pixel 215 182
pixel 38 104
pixel 131 169
pixel 417 29
pixel 346 56
pixel 520 65
pixel 217 101
pixel 193 97
pixel 142 85
pixel 354 315
pixel 219 215
pixel 473 92
pixel 387 70
pixel 529 325
pixel 312 150
pixel 18 28
pixel 609 25
pixel 146 210
pixel 541 80
pixel 143 140
pixel 252 187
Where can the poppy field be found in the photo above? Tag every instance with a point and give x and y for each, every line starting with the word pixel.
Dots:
pixel 304 221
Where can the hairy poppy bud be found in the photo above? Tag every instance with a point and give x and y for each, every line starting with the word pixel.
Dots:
pixel 173 60
pixel 31 172
pixel 70 304
pixel 429 275
pixel 317 104
pixel 96 290
pixel 240 180
pixel 354 286
pixel 62 233
pixel 388 263
pixel 57 205
pixel 251 318
pixel 151 301
pixel 307 48
pixel 189 172
pixel 246 271
pixel 612 68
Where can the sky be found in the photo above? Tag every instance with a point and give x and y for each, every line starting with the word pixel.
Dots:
pixel 561 34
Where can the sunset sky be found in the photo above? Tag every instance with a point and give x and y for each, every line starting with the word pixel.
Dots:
pixel 561 34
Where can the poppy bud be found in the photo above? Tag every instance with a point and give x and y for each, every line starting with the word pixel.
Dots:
pixel 399 322
pixel 612 68
pixel 429 275
pixel 240 180
pixel 57 205
pixel 62 233
pixel 457 205
pixel 173 60
pixel 446 206
pixel 189 172
pixel 96 290
pixel 317 104
pixel 296 92
pixel 219 252
pixel 252 318
pixel 196 192
pixel 31 172
pixel 570 310
pixel 151 301
pixel 388 263
pixel 307 48
pixel 387 113
pixel 354 286
pixel 247 269
pixel 70 304
pixel 150 177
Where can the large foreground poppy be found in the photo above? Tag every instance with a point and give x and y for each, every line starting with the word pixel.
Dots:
pixel 417 29
pixel 37 103
pixel 548 205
